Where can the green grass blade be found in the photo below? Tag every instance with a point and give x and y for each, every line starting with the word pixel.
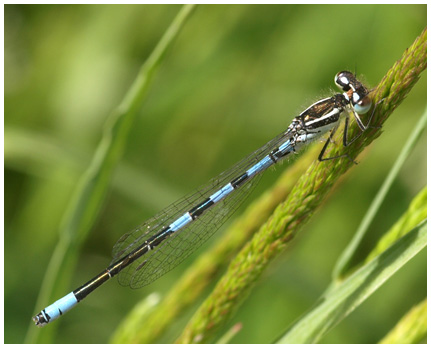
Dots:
pixel 131 324
pixel 230 334
pixel 344 262
pixel 93 186
pixel 416 212
pixel 411 329
pixel 343 299
pixel 414 216
pixel 305 198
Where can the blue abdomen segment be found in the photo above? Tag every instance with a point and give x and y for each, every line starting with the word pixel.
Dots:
pixel 286 146
pixel 59 307
pixel 180 222
pixel 222 193
pixel 260 166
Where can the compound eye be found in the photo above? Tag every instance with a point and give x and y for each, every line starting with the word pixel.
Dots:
pixel 363 106
pixel 342 80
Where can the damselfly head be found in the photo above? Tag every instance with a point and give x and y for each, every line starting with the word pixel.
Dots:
pixel 355 91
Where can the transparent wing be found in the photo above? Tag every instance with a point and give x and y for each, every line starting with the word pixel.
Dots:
pixel 182 243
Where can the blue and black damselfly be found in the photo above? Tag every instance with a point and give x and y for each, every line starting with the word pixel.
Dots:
pixel 161 243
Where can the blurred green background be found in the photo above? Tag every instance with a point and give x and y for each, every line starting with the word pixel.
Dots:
pixel 235 78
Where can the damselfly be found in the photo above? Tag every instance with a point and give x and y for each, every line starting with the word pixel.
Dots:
pixel 161 243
